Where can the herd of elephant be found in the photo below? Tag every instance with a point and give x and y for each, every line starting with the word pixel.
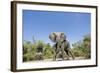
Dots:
pixel 61 46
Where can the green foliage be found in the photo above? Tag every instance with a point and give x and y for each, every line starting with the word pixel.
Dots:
pixel 32 52
pixel 82 48
pixel 48 52
pixel 28 51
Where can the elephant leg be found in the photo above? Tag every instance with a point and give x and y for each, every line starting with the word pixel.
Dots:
pixel 55 56
pixel 67 54
pixel 71 54
pixel 56 53
pixel 62 53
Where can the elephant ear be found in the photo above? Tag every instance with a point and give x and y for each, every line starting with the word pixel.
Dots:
pixel 63 37
pixel 52 37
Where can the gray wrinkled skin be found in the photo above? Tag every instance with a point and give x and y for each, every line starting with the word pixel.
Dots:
pixel 61 46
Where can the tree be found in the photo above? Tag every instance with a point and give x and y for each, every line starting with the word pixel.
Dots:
pixel 82 48
pixel 87 46
pixel 27 51
pixel 48 52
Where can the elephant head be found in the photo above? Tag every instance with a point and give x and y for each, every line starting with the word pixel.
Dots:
pixel 57 37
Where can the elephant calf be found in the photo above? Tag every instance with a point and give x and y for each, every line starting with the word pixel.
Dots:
pixel 61 45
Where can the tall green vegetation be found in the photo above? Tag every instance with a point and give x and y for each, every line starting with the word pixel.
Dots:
pixel 48 53
pixel 81 48
pixel 30 50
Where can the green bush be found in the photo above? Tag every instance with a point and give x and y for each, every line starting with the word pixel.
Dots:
pixel 82 48
pixel 32 52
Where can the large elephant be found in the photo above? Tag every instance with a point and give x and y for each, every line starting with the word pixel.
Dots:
pixel 61 45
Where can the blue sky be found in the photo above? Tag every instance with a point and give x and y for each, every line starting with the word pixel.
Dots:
pixel 41 23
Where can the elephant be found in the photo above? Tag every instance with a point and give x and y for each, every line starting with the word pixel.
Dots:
pixel 61 46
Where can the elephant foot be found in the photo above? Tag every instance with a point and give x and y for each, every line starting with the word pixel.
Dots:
pixel 63 59
pixel 73 58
